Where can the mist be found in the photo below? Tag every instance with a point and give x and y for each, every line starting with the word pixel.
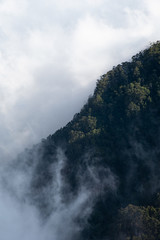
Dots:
pixel 52 212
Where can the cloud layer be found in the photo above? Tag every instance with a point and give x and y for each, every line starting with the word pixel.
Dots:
pixel 52 52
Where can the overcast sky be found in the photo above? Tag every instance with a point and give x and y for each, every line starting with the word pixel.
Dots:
pixel 52 52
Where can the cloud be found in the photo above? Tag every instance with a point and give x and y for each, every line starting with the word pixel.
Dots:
pixel 52 52
pixel 23 205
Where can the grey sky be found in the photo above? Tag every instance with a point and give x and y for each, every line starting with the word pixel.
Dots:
pixel 52 52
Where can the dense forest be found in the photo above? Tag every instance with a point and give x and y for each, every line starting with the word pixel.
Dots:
pixel 112 146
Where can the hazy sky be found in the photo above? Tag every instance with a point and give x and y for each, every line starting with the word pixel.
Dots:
pixel 52 52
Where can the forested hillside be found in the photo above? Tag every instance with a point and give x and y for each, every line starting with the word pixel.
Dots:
pixel 113 148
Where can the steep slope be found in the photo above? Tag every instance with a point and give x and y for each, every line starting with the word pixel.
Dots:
pixel 112 147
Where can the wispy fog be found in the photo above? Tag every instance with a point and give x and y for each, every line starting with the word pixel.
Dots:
pixel 52 52
pixel 21 217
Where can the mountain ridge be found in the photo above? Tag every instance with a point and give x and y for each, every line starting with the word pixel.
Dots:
pixel 116 136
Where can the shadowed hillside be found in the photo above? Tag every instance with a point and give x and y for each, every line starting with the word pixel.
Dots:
pixel 112 149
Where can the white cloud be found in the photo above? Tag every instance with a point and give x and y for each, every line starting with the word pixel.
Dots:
pixel 52 52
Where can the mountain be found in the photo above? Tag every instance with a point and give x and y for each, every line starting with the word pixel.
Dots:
pixel 108 158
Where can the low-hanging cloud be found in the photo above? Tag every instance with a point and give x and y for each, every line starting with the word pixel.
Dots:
pixel 51 54
pixel 21 213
